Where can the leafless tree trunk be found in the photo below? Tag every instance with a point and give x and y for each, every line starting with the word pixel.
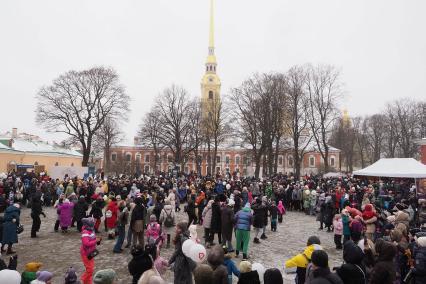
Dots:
pixel 78 103
pixel 375 133
pixel 149 132
pixel 324 90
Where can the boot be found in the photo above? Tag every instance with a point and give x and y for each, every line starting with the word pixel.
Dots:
pixel 263 237
pixel 56 228
pixel 237 253
pixel 10 251
pixel 256 241
pixel 33 235
pixel 245 257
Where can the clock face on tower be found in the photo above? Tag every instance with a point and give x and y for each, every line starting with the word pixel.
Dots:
pixel 210 79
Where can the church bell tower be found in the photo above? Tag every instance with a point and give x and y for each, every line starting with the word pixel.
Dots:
pixel 210 83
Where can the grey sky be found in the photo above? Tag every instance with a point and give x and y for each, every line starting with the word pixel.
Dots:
pixel 380 46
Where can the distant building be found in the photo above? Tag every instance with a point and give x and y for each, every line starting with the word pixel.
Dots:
pixel 23 151
pixel 231 158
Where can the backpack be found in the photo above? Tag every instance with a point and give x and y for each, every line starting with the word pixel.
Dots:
pixel 168 222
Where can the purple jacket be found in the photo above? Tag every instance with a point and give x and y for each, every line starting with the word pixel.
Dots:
pixel 65 214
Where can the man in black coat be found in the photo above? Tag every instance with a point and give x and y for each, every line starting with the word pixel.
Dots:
pixel 36 211
pixel 80 211
pixel 259 211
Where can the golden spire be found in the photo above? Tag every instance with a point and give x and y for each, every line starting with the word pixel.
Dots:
pixel 211 58
pixel 346 119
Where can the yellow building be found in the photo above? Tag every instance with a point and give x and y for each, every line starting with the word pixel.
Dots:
pixel 20 154
pixel 210 83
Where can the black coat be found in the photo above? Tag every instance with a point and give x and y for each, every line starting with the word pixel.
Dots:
pixel 216 224
pixel 353 271
pixel 97 207
pixel 140 263
pixel 80 209
pixel 227 217
pixel 251 277
pixel 259 215
pixel 420 265
pixel 324 276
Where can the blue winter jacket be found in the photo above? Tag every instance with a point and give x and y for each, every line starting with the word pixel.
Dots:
pixel 243 219
pixel 219 188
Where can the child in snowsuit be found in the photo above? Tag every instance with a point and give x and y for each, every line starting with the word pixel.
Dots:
pixel 338 230
pixel 273 212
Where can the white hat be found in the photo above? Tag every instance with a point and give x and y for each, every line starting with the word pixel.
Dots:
pixel 10 277
pixel 231 202
pixel 421 241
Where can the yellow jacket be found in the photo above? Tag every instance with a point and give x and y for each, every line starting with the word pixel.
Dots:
pixel 302 259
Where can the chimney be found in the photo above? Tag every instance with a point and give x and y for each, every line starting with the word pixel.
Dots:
pixel 14 133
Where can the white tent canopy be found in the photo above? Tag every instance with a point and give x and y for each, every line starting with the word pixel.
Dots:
pixel 333 175
pixel 395 167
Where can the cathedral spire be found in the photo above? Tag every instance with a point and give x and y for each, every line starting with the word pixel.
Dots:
pixel 211 57
pixel 211 35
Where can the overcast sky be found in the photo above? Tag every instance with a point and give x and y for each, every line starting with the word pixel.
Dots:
pixel 380 47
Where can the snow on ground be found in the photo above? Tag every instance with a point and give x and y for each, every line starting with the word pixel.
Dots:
pixel 58 251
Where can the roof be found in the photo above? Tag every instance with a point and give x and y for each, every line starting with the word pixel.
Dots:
pixel 38 147
pixel 395 167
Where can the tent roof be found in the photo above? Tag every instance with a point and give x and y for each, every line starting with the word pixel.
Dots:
pixel 395 167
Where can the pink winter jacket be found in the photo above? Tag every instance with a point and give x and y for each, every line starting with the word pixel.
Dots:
pixel 338 227
pixel 88 242
pixel 153 230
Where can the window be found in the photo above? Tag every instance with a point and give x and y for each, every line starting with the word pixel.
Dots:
pixel 186 170
pixel 72 164
pixel 227 160
pixel 169 159
pixel 56 164
pixel 138 157
pixel 147 158
pixel 113 157
pixel 146 169
pixel 228 170
pixel 290 161
pixel 311 161
pixel 218 170
pixel 217 159
pixel 210 95
pixel 128 157
pixel 280 160
pixel 332 161
pixel 237 160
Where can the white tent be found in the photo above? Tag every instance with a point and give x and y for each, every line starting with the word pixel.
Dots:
pixel 395 167
pixel 333 175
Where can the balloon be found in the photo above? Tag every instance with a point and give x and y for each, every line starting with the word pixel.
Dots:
pixel 260 270
pixel 186 247
pixel 198 253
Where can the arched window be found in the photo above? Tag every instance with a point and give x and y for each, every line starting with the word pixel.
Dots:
pixel 311 161
pixel 56 164
pixel 138 157
pixel 237 160
pixel 280 160
pixel 113 157
pixel 332 161
pixel 147 158
pixel 290 161
pixel 227 159
pixel 128 157
pixel 211 95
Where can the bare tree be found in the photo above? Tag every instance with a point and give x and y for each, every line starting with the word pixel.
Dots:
pixel 78 103
pixel 149 132
pixel 375 133
pixel 108 135
pixel 324 90
pixel 197 137
pixel 408 113
pixel 296 120
pixel 173 110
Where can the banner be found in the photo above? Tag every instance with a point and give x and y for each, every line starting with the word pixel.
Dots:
pixel 60 171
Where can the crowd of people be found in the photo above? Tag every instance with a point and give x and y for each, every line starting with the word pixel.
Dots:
pixel 378 225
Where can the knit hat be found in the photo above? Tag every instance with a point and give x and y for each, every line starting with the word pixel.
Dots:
pixel 33 266
pixel 313 240
pixel 44 276
pixel 70 276
pixel 320 258
pixel 105 276
pixel 152 218
pixel 89 222
pixel 421 241
pixel 10 277
pixel 245 266
pixel 231 202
